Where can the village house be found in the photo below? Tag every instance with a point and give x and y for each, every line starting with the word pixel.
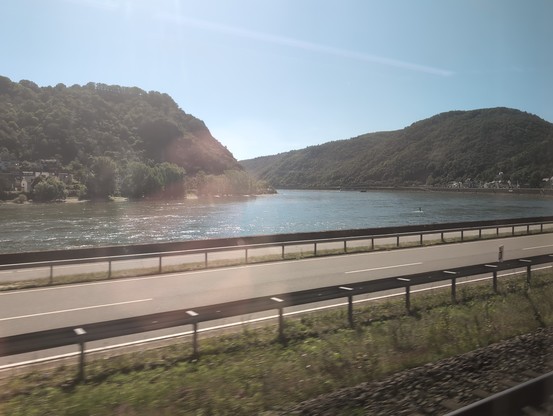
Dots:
pixel 25 180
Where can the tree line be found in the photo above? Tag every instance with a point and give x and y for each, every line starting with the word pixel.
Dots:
pixel 136 180
pixel 113 140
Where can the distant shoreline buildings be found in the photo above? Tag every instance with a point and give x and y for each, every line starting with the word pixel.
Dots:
pixel 16 180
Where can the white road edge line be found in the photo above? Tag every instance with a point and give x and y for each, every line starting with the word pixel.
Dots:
pixel 538 247
pixel 384 268
pixel 75 309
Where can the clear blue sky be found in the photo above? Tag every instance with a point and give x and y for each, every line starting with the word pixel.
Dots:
pixel 269 76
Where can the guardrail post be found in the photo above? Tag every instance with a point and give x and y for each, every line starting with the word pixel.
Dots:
pixel 350 305
pixel 195 349
pixel 462 235
pixel 494 278
pixel 453 285
pixel 280 320
pixel 350 311
pixel 283 251
pixel 51 280
pixel 513 233
pixel 246 255
pixel 206 259
pixel 109 269
pixel 398 241
pixel 345 246
pixel 421 242
pixel 315 249
pixel 407 294
pixel 160 265
pixel 480 233
pixel 280 325
pixel 80 332
pixel 442 234
pixel 528 270
pixel 372 244
pixel 195 352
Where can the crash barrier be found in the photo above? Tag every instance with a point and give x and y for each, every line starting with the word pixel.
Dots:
pixel 158 252
pixel 514 401
pixel 79 335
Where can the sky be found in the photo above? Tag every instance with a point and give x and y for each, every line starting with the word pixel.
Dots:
pixel 269 76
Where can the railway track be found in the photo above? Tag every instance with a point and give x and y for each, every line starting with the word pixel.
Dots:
pixel 455 386
pixel 530 398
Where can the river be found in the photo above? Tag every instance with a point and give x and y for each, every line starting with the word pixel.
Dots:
pixel 36 227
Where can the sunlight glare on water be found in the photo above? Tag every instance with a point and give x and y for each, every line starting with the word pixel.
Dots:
pixel 34 227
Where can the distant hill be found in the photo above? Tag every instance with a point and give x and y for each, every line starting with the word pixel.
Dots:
pixel 472 147
pixel 126 124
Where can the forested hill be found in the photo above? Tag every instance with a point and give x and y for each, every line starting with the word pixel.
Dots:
pixel 471 147
pixel 78 123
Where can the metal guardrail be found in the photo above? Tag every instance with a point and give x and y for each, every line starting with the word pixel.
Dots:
pixel 59 337
pixel 15 261
pixel 511 402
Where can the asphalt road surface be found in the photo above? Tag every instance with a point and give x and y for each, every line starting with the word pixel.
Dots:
pixel 59 306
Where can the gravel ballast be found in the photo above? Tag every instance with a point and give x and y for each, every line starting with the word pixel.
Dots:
pixel 440 387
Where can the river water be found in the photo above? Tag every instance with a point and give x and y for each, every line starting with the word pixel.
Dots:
pixel 34 227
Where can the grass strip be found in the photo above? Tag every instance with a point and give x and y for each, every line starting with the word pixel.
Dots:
pixel 249 372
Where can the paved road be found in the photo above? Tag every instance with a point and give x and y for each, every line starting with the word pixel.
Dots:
pixel 38 309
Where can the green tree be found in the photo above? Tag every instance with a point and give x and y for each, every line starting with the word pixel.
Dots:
pixel 30 166
pixel 78 170
pixel 240 182
pixel 75 123
pixel 141 181
pixel 49 189
pixel 102 178
pixel 6 182
pixel 172 177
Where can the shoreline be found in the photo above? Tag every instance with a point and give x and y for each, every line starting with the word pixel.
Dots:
pixel 76 200
pixel 498 191
pixel 503 191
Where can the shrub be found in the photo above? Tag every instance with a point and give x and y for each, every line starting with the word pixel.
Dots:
pixel 20 199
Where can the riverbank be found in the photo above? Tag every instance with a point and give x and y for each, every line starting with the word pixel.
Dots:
pixel 73 199
pixel 499 191
pixel 540 192
pixel 505 191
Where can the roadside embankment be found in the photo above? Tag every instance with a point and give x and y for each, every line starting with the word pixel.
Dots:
pixel 323 361
pixel 440 387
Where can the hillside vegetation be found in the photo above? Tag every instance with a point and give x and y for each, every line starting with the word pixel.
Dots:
pixel 468 147
pixel 112 139
pixel 74 123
